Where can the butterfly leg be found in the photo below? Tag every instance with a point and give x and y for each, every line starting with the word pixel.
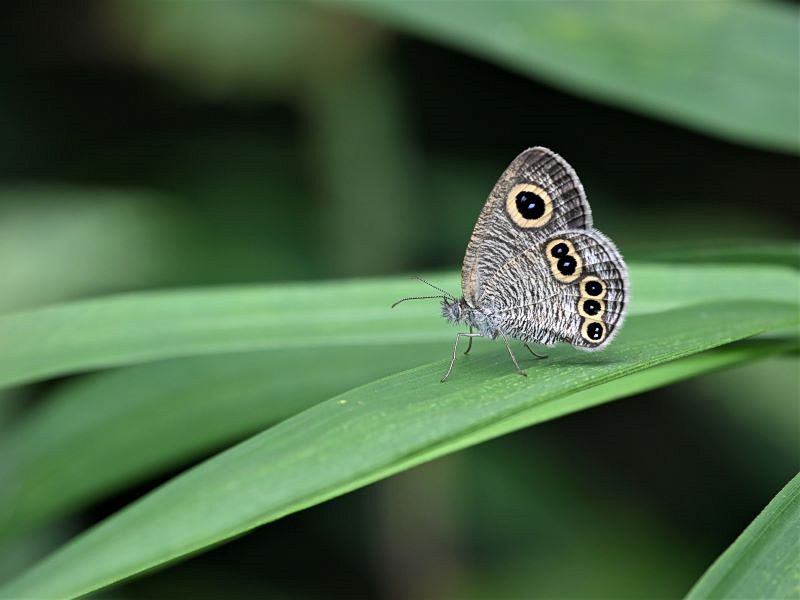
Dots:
pixel 469 346
pixel 534 353
pixel 470 335
pixel 513 358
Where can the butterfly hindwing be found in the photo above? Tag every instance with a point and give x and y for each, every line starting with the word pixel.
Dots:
pixel 571 287
pixel 538 194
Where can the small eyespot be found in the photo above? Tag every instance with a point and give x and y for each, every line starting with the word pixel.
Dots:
pixel 591 307
pixel 593 331
pixel 566 265
pixel 559 250
pixel 592 286
pixel 529 205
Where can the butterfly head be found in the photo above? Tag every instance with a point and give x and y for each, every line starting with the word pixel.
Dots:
pixel 455 311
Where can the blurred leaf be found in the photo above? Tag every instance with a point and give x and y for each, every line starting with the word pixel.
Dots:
pixel 764 561
pixel 143 327
pixel 758 439
pixel 725 68
pixel 31 547
pixel 59 242
pixel 771 417
pixel 255 49
pixel 373 431
pixel 111 430
pixel 734 251
pixel 362 153
pixel 543 512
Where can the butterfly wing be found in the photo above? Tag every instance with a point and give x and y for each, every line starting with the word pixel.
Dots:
pixel 537 195
pixel 571 287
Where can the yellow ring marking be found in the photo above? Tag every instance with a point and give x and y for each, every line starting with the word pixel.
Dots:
pixel 583 313
pixel 554 261
pixel 552 243
pixel 516 216
pixel 603 293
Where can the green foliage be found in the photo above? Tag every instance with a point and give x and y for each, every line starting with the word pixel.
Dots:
pixel 725 68
pixel 136 328
pixel 110 430
pixel 359 436
pixel 763 562
pixel 119 239
pixel 775 253
pixel 282 141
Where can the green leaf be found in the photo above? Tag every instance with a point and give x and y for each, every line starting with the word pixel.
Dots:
pixel 108 431
pixel 373 431
pixel 135 328
pixel 725 68
pixel 764 561
pixel 79 446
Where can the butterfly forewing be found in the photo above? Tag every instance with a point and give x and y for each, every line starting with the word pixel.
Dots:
pixel 538 194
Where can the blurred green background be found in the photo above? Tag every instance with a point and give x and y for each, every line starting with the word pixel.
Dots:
pixel 161 144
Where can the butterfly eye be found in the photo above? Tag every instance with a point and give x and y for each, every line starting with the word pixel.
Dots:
pixel 528 205
pixel 593 331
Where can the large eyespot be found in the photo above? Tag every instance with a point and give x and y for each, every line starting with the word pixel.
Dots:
pixel 565 263
pixel 593 287
pixel 528 205
pixel 593 331
pixel 591 308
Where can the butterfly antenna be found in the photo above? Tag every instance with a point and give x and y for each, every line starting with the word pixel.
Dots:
pixel 418 298
pixel 445 292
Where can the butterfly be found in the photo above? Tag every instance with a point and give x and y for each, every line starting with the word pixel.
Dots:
pixel 535 269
